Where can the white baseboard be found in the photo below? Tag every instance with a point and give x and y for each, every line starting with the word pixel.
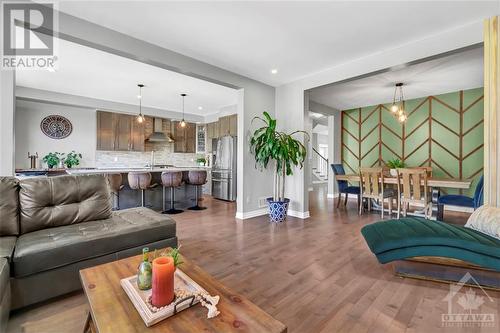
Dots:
pixel 458 209
pixel 332 195
pixel 251 214
pixel 300 215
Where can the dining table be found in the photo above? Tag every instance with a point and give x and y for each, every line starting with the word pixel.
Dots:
pixel 435 184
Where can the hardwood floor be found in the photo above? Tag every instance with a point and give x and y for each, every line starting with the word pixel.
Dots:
pixel 314 275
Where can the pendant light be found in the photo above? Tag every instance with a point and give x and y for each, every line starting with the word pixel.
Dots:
pixel 140 117
pixel 183 122
pixel 398 103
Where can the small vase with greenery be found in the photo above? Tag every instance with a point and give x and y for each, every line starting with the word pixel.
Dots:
pixel 52 159
pixel 269 144
pixel 201 161
pixel 393 165
pixel 72 159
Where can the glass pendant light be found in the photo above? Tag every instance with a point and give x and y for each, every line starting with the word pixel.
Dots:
pixel 398 102
pixel 183 122
pixel 140 117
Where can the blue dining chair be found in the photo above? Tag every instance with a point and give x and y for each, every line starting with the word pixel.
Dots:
pixel 461 200
pixel 343 185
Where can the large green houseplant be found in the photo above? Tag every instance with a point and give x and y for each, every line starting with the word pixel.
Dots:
pixel 270 145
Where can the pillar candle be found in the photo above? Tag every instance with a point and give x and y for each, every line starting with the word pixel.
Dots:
pixel 163 281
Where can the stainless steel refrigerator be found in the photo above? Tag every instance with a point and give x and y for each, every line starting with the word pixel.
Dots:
pixel 224 168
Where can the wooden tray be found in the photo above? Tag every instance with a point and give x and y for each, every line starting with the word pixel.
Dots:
pixel 140 297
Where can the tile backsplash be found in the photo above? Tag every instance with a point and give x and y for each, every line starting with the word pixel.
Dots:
pixel 164 155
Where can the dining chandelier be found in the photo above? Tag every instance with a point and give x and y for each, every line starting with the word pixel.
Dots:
pixel 398 103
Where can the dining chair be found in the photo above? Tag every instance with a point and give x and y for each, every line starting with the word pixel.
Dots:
pixel 426 168
pixel 462 200
pixel 413 190
pixel 371 182
pixel 343 185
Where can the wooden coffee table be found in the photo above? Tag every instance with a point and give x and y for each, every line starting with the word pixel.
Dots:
pixel 112 311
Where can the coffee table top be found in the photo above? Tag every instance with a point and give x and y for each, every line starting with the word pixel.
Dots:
pixel 112 310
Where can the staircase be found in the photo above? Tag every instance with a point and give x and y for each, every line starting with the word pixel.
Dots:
pixel 320 173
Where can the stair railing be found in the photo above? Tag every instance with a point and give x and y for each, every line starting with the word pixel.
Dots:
pixel 322 163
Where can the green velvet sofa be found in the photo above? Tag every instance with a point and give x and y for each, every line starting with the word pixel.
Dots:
pixel 417 237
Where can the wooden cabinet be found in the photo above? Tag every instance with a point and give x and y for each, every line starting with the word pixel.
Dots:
pixel 184 138
pixel 223 126
pixel 119 132
pixel 105 131
pixel 233 125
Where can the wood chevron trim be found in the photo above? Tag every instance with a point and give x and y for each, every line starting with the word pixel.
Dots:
pixel 414 150
pixel 369 115
pixel 352 135
pixel 349 116
pixel 445 104
pixel 369 151
pixel 473 151
pixel 371 131
pixel 419 105
pixel 473 103
pixel 392 151
pixel 347 164
pixel 445 126
pixel 416 128
pixel 392 131
pixel 443 169
pixel 446 149
pixel 473 127
pixel 475 174
pixel 349 150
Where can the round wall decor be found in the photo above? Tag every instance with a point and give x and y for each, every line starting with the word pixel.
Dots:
pixel 56 127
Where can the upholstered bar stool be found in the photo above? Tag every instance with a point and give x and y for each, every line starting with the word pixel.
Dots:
pixel 140 180
pixel 171 179
pixel 197 178
pixel 115 185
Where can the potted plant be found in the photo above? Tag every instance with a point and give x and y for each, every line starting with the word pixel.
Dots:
pixel 393 165
pixel 269 144
pixel 52 159
pixel 201 161
pixel 72 159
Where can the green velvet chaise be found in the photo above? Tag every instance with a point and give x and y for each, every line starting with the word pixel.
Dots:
pixel 417 237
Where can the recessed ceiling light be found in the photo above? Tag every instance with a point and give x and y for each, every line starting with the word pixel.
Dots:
pixel 200 107
pixel 274 71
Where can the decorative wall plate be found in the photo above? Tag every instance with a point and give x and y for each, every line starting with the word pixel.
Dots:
pixel 56 127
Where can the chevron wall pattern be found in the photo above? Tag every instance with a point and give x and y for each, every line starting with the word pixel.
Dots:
pixel 443 131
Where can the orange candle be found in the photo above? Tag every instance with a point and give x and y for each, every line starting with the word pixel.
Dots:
pixel 163 281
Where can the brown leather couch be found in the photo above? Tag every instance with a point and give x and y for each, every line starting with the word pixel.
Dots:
pixel 51 227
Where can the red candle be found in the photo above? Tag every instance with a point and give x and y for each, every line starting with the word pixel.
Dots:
pixel 163 281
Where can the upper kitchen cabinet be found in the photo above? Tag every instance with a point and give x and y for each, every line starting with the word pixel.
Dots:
pixel 119 132
pixel 184 137
pixel 223 126
pixel 233 125
pixel 228 125
pixel 105 131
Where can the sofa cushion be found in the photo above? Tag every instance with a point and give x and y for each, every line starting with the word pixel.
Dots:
pixel 7 244
pixel 55 247
pixel 9 206
pixel 47 202
pixel 4 276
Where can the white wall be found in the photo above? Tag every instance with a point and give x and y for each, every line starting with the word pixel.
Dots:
pixel 30 138
pixel 290 97
pixel 7 118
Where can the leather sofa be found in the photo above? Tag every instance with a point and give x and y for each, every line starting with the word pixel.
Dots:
pixel 51 227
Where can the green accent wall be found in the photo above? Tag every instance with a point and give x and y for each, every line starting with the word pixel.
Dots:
pixel 443 131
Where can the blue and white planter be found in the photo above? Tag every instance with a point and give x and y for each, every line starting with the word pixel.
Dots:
pixel 278 210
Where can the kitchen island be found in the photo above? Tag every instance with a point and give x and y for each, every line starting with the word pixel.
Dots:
pixel 184 194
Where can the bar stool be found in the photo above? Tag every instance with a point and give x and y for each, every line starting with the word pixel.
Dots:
pixel 139 180
pixel 197 178
pixel 171 179
pixel 115 185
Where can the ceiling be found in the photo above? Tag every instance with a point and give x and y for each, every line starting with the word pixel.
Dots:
pixel 298 38
pixel 455 72
pixel 92 73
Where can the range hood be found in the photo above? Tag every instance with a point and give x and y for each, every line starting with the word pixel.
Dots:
pixel 158 134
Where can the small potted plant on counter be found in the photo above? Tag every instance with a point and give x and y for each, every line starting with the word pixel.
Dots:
pixel 52 159
pixel 201 161
pixel 269 144
pixel 72 159
pixel 393 165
